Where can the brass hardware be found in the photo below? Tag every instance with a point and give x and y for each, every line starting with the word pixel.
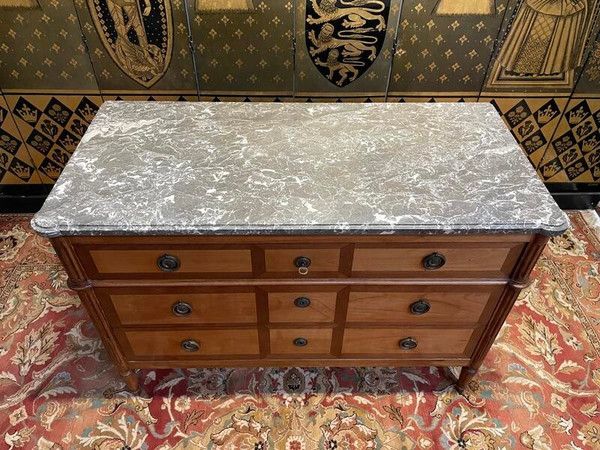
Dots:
pixel 168 263
pixel 302 302
pixel 420 307
pixel 407 343
pixel 181 309
pixel 434 261
pixel 302 263
pixel 189 345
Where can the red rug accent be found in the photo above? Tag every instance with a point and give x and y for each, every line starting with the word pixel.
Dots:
pixel 538 388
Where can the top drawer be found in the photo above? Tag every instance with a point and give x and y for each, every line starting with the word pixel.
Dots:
pixel 491 259
pixel 168 262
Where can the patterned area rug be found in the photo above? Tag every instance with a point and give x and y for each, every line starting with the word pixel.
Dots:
pixel 539 387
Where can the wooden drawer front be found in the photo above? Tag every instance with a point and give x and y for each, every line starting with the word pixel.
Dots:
pixel 288 306
pixel 445 306
pixel 318 341
pixel 281 260
pixel 493 260
pixel 220 261
pixel 430 341
pixel 156 343
pixel 225 307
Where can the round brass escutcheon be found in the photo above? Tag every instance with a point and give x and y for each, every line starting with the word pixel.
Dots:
pixel 181 309
pixel 189 345
pixel 300 342
pixel 420 307
pixel 302 302
pixel 434 261
pixel 407 343
pixel 168 263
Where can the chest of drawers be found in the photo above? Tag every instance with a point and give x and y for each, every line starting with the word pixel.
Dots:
pixel 219 254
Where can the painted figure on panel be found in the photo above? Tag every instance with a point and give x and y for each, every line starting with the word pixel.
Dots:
pixel 351 29
pixel 547 37
pixel 137 36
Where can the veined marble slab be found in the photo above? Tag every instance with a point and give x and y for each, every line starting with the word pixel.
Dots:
pixel 298 168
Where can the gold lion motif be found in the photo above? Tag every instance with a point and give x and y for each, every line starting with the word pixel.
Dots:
pixel 353 46
pixel 335 65
pixel 355 16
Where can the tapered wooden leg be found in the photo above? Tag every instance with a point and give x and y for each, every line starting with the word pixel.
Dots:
pixel 466 374
pixel 131 381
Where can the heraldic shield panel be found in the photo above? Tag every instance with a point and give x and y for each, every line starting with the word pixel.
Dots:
pixel 344 37
pixel 137 35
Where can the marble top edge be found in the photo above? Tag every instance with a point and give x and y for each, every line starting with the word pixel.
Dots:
pixel 384 168
pixel 373 229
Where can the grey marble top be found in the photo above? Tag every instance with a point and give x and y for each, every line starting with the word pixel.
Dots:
pixel 283 168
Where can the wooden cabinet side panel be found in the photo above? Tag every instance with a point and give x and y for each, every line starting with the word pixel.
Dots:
pixel 78 281
pixel 519 279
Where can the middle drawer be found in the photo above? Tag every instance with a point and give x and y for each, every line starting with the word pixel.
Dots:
pixel 182 305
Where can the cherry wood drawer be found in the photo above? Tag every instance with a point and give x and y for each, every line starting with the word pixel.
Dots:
pixel 385 341
pixel 281 260
pixel 422 304
pixel 164 306
pixel 286 341
pixel 168 343
pixel 473 260
pixel 224 262
pixel 302 305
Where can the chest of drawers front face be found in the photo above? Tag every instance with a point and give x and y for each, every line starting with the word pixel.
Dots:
pixel 193 301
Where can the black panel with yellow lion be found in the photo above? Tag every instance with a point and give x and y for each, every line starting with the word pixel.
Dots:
pixel 344 37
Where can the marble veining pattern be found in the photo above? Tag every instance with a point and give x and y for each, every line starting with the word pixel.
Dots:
pixel 266 168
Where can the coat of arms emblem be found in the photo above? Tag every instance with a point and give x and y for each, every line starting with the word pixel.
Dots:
pixel 344 37
pixel 137 36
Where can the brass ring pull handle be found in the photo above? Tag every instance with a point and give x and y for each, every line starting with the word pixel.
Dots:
pixel 420 307
pixel 434 261
pixel 181 309
pixel 168 263
pixel 408 343
pixel 302 263
pixel 300 342
pixel 189 345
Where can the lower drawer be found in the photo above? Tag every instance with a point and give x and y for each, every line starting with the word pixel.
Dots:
pixel 406 342
pixel 300 341
pixel 164 306
pixel 417 305
pixel 192 343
